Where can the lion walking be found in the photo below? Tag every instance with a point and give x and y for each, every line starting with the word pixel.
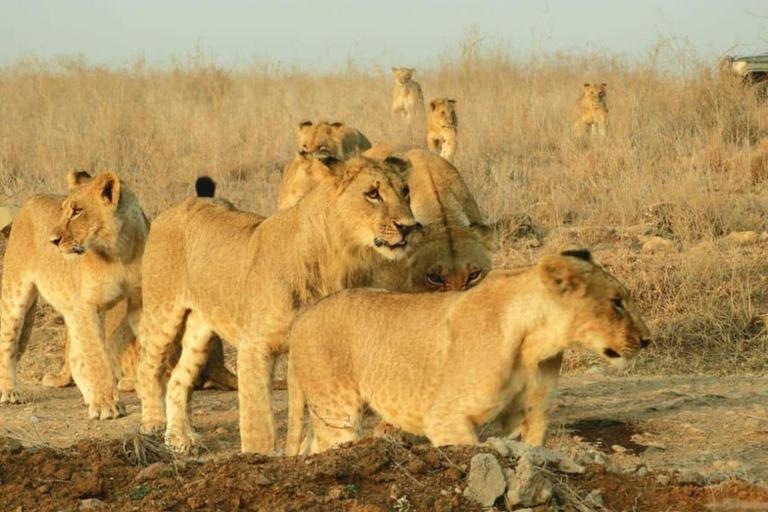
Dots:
pixel 442 128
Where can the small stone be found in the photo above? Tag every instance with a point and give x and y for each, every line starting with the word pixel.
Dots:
pixel 334 494
pixel 91 504
pixel 486 480
pixel 641 470
pixel 689 477
pixel 595 498
pixel 662 479
pixel 653 449
pixel 526 486
pixel 595 370
pixel 260 479
pixel 14 445
pixel 618 448
pixel 149 473
pixel 432 458
pixel 415 466
pixel 499 445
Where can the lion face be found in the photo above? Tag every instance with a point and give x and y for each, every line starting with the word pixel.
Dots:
pixel 321 138
pixel 450 258
pixel 443 111
pixel 403 75
pixel 374 197
pixel 88 219
pixel 606 319
pixel 595 93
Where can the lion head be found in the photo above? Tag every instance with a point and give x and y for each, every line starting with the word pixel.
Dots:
pixel 595 93
pixel 88 220
pixel 605 318
pixel 450 257
pixel 403 75
pixel 322 138
pixel 374 200
pixel 442 112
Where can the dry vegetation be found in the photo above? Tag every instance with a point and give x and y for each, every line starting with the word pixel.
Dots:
pixel 679 134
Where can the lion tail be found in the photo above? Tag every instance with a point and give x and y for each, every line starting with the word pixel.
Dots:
pixel 296 403
pixel 205 187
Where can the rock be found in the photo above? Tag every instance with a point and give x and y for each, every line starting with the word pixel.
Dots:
pixel 538 455
pixel 260 479
pixel 743 237
pixel 13 445
pixel 659 245
pixel 486 481
pixel 641 470
pixel 618 448
pixel 91 504
pixel 526 486
pixel 662 479
pixel 6 216
pixel 595 370
pixel 150 472
pixel 690 477
pixel 595 498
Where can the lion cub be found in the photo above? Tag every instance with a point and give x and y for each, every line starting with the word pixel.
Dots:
pixel 591 111
pixel 407 98
pixel 458 359
pixel 82 254
pixel 442 127
pixel 334 139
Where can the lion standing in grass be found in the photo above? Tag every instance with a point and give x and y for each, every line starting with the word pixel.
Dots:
pixel 211 268
pixel 457 359
pixel 82 255
pixel 591 111
pixel 407 98
pixel 442 127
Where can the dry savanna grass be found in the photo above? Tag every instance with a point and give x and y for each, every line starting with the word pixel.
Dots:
pixel 680 136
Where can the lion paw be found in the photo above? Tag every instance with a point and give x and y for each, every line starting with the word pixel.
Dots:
pixel 10 396
pixel 184 442
pixel 109 410
pixel 51 380
pixel 152 427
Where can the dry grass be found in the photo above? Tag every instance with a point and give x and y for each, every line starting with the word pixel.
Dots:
pixel 685 137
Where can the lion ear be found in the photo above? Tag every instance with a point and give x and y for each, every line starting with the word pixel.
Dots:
pixel 338 125
pixel 603 85
pixel 304 125
pixel 582 254
pixel 487 236
pixel 586 86
pixel 561 276
pixel 433 105
pixel 108 186
pixel 400 165
pixel 452 102
pixel 76 178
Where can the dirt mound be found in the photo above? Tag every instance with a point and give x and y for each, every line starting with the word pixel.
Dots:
pixel 371 475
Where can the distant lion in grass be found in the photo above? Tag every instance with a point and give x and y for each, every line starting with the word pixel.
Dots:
pixel 591 111
pixel 442 127
pixel 407 98
pixel 457 360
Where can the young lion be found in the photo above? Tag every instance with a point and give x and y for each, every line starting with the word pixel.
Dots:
pixel 335 139
pixel 407 98
pixel 82 256
pixel 214 269
pixel 444 382
pixel 591 111
pixel 442 127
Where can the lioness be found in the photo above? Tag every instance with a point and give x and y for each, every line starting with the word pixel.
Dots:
pixel 591 111
pixel 444 382
pixel 215 269
pixel 407 98
pixel 442 127
pixel 123 347
pixel 334 139
pixel 82 256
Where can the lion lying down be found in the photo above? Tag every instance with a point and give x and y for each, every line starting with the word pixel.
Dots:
pixel 457 359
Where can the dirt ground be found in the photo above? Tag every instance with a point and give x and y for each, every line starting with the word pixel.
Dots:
pixel 657 443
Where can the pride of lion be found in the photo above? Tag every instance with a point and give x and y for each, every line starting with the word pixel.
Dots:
pixel 364 237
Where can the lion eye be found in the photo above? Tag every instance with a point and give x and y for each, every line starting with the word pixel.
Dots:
pixel 406 192
pixel 435 279
pixel 618 305
pixel 373 195
pixel 76 212
pixel 473 276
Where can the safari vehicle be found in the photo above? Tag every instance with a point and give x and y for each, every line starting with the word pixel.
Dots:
pixel 753 69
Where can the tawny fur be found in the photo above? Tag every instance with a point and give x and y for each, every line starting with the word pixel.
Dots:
pixel 215 269
pixel 442 127
pixel 591 111
pixel 457 360
pixel 407 98
pixel 335 139
pixel 98 234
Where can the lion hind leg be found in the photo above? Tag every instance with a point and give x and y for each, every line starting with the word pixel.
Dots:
pixel 449 427
pixel 17 311
pixel 334 422
pixel 216 374
pixel 296 404
pixel 179 433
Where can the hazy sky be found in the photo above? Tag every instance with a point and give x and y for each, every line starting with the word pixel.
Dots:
pixel 321 34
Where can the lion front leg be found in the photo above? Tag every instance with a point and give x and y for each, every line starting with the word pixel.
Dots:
pixel 534 427
pixel 87 331
pixel 17 311
pixel 448 148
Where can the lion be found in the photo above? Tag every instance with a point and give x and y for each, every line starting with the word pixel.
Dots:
pixel 442 127
pixel 591 111
pixel 213 269
pixel 334 139
pixel 122 347
pixel 82 254
pixel 442 383
pixel 407 98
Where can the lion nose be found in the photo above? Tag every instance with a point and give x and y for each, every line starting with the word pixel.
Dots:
pixel 55 239
pixel 404 229
pixel 644 342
